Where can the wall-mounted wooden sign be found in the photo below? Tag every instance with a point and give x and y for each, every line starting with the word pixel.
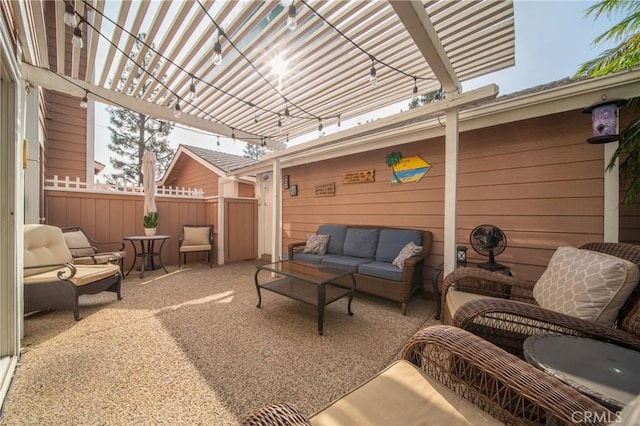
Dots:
pixel 360 176
pixel 326 190
pixel 285 181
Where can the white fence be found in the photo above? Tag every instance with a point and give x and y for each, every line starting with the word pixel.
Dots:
pixel 68 184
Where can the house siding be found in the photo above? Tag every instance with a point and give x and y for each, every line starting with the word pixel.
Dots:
pixel 66 146
pixel 537 180
pixel 190 173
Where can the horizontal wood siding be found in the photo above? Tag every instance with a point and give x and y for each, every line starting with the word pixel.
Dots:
pixel 189 173
pixel 110 217
pixel 246 190
pixel 66 148
pixel 537 180
pixel 241 229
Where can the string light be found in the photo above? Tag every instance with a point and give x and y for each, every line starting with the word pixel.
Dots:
pixel 76 40
pixel 292 21
pixel 217 49
pixel 320 127
pixel 287 115
pixel 193 95
pixel 70 15
pixel 414 96
pixel 279 124
pixel 338 120
pixel 233 134
pixel 218 140
pixel 176 109
pixel 84 103
pixel 373 78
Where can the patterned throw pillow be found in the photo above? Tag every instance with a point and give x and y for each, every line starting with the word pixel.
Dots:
pixel 316 244
pixel 411 249
pixel 586 284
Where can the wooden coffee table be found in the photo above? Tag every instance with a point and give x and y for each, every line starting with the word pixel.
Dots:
pixel 308 283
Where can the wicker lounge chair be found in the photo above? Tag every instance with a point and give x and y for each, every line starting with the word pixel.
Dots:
pixel 507 323
pixel 459 379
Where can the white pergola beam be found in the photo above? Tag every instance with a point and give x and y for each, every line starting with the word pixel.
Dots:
pixel 64 84
pixel 416 20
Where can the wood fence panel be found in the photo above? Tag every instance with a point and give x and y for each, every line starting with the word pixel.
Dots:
pixel 111 217
pixel 241 229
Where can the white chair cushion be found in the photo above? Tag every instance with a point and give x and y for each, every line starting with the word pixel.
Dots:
pixel 196 236
pixel 85 274
pixel 586 284
pixel 44 245
pixel 78 243
pixel 455 299
pixel 402 394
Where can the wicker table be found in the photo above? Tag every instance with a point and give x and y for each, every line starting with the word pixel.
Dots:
pixel 605 372
pixel 308 283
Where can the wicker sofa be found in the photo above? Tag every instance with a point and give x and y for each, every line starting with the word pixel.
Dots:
pixel 448 376
pixel 369 252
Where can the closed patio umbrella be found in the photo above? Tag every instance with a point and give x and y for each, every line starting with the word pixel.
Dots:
pixel 149 181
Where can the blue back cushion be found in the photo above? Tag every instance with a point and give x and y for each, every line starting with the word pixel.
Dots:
pixel 361 242
pixel 336 240
pixel 391 241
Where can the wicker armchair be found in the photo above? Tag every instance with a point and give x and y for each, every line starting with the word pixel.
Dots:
pixel 467 369
pixel 512 314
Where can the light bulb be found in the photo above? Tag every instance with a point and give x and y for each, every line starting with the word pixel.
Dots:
pixel 217 53
pixel 193 95
pixel 292 21
pixel 279 124
pixel 414 95
pixel 218 140
pixel 373 78
pixel 76 40
pixel 70 15
pixel 176 110
pixel 84 103
pixel 287 115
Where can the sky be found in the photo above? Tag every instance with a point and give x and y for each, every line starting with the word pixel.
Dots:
pixel 553 38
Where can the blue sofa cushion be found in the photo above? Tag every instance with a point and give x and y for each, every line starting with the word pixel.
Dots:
pixel 391 241
pixel 384 270
pixel 336 240
pixel 361 242
pixel 311 258
pixel 347 263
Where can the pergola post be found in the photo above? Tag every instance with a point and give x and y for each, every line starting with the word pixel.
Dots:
pixel 276 229
pixel 450 190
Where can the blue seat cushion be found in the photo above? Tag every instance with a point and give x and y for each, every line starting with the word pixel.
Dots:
pixel 347 263
pixel 311 258
pixel 337 234
pixel 391 241
pixel 361 242
pixel 384 270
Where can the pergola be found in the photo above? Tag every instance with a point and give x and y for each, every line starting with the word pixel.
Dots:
pixel 329 57
pixel 410 46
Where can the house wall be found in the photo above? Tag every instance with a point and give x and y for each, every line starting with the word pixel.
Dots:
pixel 189 173
pixel 66 143
pixel 537 180
pixel 246 190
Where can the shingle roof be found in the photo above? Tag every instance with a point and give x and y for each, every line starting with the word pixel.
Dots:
pixel 222 160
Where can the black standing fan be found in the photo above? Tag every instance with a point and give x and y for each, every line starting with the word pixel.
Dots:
pixel 489 240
